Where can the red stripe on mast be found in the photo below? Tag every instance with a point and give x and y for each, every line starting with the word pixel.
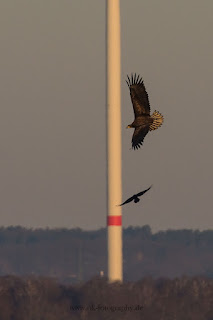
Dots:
pixel 114 220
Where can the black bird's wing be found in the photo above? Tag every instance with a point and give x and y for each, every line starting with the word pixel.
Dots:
pixel 139 96
pixel 139 135
pixel 142 192
pixel 127 201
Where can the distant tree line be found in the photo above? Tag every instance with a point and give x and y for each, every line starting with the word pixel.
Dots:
pixel 74 255
pixel 33 298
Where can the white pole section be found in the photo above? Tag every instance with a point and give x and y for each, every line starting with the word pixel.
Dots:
pixel 114 180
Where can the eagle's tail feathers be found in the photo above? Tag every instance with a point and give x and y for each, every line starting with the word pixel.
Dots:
pixel 157 120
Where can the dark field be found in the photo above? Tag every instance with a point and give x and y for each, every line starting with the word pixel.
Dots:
pixel 42 298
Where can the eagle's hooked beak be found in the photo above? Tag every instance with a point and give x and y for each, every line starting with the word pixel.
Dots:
pixel 128 126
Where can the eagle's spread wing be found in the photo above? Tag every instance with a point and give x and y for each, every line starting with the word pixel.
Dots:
pixel 127 201
pixel 142 192
pixel 138 136
pixel 139 96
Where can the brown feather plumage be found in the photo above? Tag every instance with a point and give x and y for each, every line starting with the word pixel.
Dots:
pixel 143 122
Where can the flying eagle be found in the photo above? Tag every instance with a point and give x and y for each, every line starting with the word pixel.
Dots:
pixel 143 122
pixel 135 197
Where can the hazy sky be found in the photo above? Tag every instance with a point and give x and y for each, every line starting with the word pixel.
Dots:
pixel 52 113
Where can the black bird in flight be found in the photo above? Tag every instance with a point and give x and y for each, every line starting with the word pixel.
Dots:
pixel 143 122
pixel 135 197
